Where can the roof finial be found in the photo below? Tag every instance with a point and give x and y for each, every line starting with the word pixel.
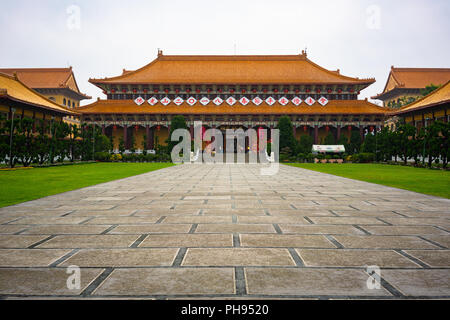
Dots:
pixel 160 52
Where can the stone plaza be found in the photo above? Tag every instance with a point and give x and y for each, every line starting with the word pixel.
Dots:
pixel 226 232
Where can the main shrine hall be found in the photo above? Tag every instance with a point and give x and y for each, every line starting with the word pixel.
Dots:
pixel 230 92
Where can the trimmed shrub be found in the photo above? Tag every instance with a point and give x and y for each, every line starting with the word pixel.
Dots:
pixel 363 157
pixel 116 157
pixel 102 156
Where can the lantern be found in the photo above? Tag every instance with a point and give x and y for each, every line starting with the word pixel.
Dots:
pixel 113 90
pixel 308 90
pixel 158 128
pixel 244 91
pixel 327 128
pixel 318 90
pixel 166 90
pixel 275 90
pixel 349 128
pixel 305 128
pixel 329 91
pixel 265 90
pixel 114 127
pixel 136 128
pixel 231 90
pixel 340 91
pixel 286 90
pixel 124 90
pixel 156 91
pixel 145 90
pixel 254 90
pixel 351 90
pixel 297 91
pixel 198 90
pixel 371 128
pixel 208 90
pixel 220 90
pixel 177 90
pixel 134 90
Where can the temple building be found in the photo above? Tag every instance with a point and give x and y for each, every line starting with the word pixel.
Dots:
pixel 433 107
pixel 408 82
pixel 227 92
pixel 56 84
pixel 19 101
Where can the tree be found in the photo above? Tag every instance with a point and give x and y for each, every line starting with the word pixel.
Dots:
pixel 406 136
pixel 178 122
pixel 286 133
pixel 24 146
pixel 329 139
pixel 445 145
pixel 355 143
pixel 428 89
pixel 305 144
pixel 369 144
pixel 432 142
pixel 74 134
pixel 42 142
pixel 121 145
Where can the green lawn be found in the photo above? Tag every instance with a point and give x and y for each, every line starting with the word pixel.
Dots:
pixel 433 182
pixel 29 184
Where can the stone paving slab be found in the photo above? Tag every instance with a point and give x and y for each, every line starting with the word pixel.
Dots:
pixel 286 282
pixel 42 281
pixel 30 258
pixel 419 282
pixel 122 258
pixel 172 281
pixel 226 231
pixel 354 258
pixel 237 257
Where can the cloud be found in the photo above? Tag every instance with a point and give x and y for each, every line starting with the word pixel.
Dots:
pixel 116 34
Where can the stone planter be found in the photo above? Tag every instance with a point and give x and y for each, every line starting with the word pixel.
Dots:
pixel 323 160
pixel 340 160
pixel 332 161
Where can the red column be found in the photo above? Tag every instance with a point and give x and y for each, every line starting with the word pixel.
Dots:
pixel 125 136
pixel 192 132
pixel 361 133
pixel 151 139
pixel 316 134
pixel 294 130
pixel 103 129
pixel 147 134
pixel 338 132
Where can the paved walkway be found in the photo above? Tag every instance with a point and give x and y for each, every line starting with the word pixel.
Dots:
pixel 224 231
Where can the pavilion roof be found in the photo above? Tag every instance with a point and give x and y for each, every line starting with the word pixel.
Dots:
pixel 335 107
pixel 13 89
pixel 47 78
pixel 414 78
pixel 238 69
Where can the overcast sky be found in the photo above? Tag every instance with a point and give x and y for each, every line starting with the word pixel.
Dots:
pixel 100 38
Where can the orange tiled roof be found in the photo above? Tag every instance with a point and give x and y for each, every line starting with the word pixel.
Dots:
pixel 46 78
pixel 14 89
pixel 333 107
pixel 279 69
pixel 415 78
pixel 437 97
